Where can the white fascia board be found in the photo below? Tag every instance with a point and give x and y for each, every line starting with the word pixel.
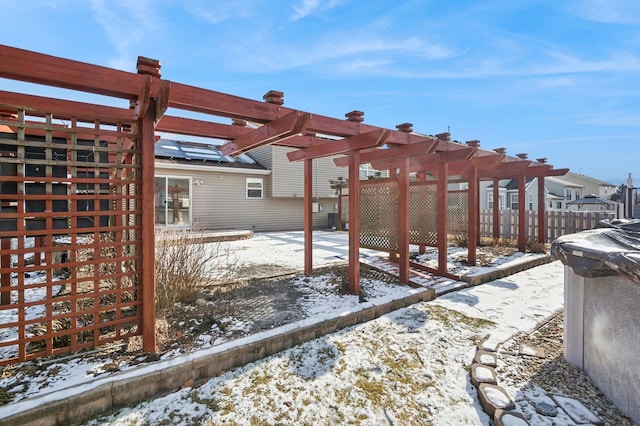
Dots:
pixel 195 167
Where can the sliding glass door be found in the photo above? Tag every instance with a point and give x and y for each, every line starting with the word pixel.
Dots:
pixel 173 201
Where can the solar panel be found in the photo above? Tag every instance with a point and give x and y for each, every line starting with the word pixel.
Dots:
pixel 166 148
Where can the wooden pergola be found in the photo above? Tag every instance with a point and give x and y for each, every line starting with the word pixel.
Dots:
pixel 154 104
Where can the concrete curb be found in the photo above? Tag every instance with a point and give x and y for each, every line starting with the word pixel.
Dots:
pixel 110 393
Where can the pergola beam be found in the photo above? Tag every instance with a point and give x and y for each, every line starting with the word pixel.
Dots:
pixel 425 146
pixel 200 128
pixel 280 128
pixel 38 68
pixel 426 162
pixel 353 143
pixel 40 106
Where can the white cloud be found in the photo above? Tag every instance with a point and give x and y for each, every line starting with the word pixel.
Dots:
pixel 217 12
pixel 359 51
pixel 125 23
pixel 307 7
pixel 609 11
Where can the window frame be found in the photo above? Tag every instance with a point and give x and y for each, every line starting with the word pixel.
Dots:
pixel 247 188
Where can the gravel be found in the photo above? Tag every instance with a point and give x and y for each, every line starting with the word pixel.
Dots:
pixel 526 375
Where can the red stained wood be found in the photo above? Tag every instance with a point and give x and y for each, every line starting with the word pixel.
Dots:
pixel 365 140
pixel 354 222
pixel 443 222
pixel 402 151
pixel 39 106
pixel 403 221
pixel 542 205
pixel 522 214
pixel 308 216
pixel 473 210
pixel 286 126
pixel 32 67
pixel 148 231
pixel 200 128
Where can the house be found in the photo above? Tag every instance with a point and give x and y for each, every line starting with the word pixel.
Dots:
pixel 558 192
pixel 508 194
pixel 197 186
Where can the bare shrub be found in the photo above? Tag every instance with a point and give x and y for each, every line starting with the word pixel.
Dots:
pixel 185 261
pixel 533 246
pixel 459 240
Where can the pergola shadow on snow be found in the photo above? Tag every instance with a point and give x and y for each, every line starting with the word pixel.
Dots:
pixel 81 175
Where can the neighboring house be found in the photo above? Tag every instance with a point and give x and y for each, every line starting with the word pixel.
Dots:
pixel 509 194
pixel 558 192
pixel 591 185
pixel 196 186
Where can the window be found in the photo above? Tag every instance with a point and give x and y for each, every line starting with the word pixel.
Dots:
pixel 559 204
pixel 490 200
pixel 578 194
pixel 530 201
pixel 567 194
pixel 367 172
pixel 254 187
pixel 514 201
pixel 173 201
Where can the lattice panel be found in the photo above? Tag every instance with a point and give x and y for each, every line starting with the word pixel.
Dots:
pixel 458 211
pixel 70 216
pixel 379 215
pixel 423 214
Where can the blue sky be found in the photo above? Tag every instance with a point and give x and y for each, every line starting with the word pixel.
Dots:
pixel 555 79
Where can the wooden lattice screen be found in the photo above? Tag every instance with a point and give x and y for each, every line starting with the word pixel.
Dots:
pixel 458 212
pixel 423 224
pixel 379 214
pixel 70 220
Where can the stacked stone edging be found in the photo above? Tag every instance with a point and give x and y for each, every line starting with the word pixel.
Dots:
pixel 110 393
pixel 498 408
pixel 502 272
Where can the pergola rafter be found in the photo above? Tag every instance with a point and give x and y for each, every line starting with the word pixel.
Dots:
pixel 425 146
pixel 373 138
pixel 277 130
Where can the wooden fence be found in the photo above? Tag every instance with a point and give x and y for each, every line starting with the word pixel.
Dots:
pixel 557 222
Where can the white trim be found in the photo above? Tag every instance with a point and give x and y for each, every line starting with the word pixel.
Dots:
pixel 194 167
pixel 166 184
pixel 247 189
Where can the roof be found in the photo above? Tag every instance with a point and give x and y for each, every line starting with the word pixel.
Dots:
pixel 513 183
pixel 565 183
pixel 203 154
pixel 591 199
pixel 589 178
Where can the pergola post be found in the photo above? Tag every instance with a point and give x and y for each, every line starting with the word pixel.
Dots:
pixel 472 207
pixel 542 206
pixel 147 141
pixel 421 177
pixel 403 220
pixel 522 213
pixel 442 216
pixel 496 209
pixel 308 216
pixel 354 221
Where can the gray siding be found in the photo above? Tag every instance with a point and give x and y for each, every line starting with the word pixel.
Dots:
pixel 220 203
pixel 288 177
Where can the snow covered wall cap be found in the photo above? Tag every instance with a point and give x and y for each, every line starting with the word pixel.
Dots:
pixel 613 248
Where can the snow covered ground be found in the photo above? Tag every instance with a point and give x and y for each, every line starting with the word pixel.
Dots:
pixel 408 367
